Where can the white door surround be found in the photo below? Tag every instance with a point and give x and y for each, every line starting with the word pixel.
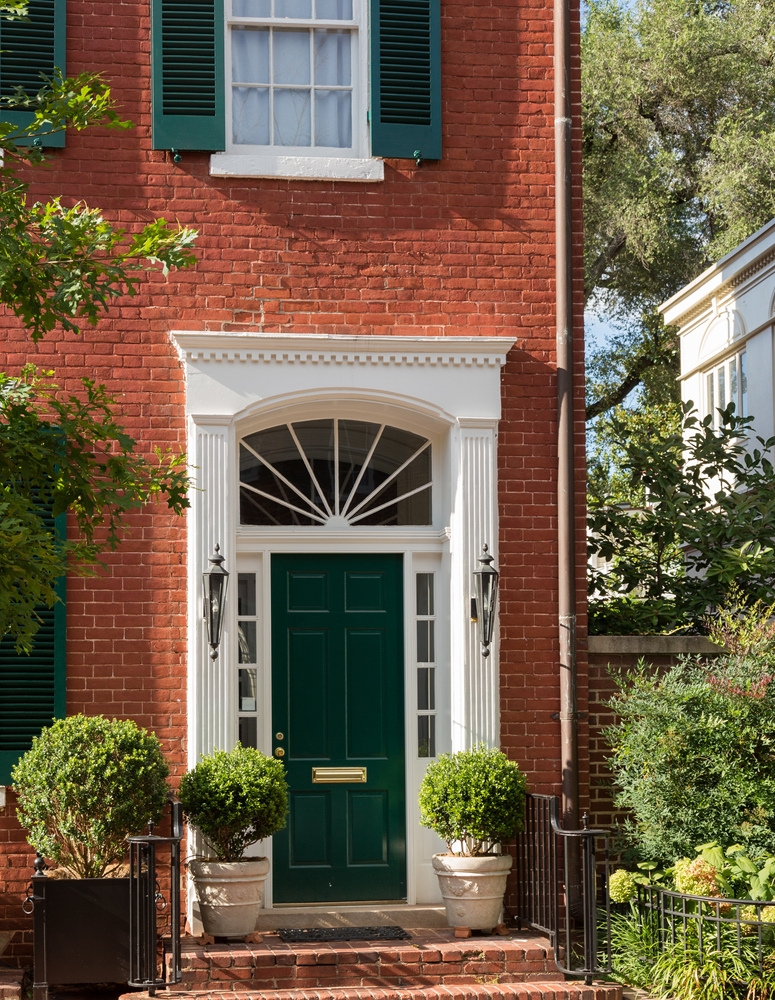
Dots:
pixel 445 388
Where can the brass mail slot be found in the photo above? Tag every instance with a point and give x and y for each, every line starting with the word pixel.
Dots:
pixel 338 775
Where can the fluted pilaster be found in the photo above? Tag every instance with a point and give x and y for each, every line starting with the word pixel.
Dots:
pixel 474 521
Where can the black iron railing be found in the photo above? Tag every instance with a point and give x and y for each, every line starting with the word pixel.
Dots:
pixel 148 969
pixel 708 926
pixel 559 883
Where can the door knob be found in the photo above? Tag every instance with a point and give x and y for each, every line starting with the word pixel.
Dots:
pixel 279 752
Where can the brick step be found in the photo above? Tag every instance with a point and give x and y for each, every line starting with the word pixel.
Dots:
pixel 432 957
pixel 11 984
pixel 470 991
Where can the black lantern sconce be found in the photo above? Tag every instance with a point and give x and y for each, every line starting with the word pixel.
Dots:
pixel 216 581
pixel 483 605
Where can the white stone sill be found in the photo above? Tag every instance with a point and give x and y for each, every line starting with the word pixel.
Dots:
pixel 302 168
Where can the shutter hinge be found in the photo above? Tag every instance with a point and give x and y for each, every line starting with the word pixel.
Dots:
pixel 417 154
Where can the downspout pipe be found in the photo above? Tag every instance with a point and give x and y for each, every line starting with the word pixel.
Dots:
pixel 566 535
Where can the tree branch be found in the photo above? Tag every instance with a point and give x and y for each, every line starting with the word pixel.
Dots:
pixel 618 394
pixel 601 264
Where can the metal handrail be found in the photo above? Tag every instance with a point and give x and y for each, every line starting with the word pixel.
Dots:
pixel 542 903
pixel 145 901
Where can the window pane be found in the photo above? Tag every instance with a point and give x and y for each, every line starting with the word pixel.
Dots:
pixel 425 594
pixel 248 732
pixel 250 55
pixel 250 116
pixel 711 404
pixel 355 442
pixel 426 736
pixel 293 8
pixel 333 118
pixel 423 700
pixel 743 388
pixel 291 58
pixel 733 396
pixel 248 699
pixel 425 642
pixel 246 636
pixel 246 594
pixel 334 10
pixel 722 389
pixel 332 58
pixel 251 8
pixel 292 125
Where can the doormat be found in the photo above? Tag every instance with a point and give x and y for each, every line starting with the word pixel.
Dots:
pixel 299 934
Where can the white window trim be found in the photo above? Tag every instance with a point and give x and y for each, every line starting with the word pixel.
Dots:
pixel 712 369
pixel 307 163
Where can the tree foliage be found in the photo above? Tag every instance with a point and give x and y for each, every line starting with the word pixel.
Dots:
pixel 86 785
pixel 693 512
pixel 66 452
pixel 692 756
pixel 679 145
pixel 64 265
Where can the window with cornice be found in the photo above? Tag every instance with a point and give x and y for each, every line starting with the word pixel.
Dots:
pixel 307 89
pixel 724 383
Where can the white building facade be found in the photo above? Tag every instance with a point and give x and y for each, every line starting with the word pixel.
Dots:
pixel 726 319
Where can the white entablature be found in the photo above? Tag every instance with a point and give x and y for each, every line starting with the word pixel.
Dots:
pixel 725 318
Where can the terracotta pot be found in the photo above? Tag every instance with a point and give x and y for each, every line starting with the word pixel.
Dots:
pixel 473 888
pixel 229 894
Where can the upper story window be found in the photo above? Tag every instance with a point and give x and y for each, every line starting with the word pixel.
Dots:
pixel 311 89
pixel 296 77
pixel 725 383
pixel 335 472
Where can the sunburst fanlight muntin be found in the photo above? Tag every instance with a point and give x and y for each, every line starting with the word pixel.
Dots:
pixel 335 472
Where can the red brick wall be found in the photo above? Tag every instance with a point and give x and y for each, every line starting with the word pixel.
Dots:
pixel 460 247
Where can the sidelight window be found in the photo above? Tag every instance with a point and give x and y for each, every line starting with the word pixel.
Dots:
pixel 341 472
pixel 426 666
pixel 247 656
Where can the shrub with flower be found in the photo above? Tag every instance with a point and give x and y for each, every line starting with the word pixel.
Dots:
pixel 622 886
pixel 696 877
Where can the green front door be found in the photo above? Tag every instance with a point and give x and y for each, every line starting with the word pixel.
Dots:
pixel 338 723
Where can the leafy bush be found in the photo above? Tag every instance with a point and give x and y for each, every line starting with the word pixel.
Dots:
pixel 692 756
pixel 235 799
pixel 679 969
pixel 87 784
pixel 476 797
pixel 697 515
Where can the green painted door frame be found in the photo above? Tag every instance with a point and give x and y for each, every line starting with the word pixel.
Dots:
pixel 338 713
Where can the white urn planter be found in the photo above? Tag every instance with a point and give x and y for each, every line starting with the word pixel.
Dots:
pixel 229 894
pixel 473 888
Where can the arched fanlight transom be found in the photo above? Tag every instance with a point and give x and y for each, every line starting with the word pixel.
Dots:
pixel 335 472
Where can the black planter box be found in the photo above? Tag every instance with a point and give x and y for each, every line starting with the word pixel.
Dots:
pixel 81 929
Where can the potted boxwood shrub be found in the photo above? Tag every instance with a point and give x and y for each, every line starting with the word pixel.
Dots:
pixel 234 799
pixel 86 784
pixel 474 800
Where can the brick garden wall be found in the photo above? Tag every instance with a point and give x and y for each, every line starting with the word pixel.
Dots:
pixel 460 247
pixel 621 653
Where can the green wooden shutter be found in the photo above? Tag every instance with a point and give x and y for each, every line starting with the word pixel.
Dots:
pixel 188 84
pixel 28 49
pixel 32 688
pixel 406 78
